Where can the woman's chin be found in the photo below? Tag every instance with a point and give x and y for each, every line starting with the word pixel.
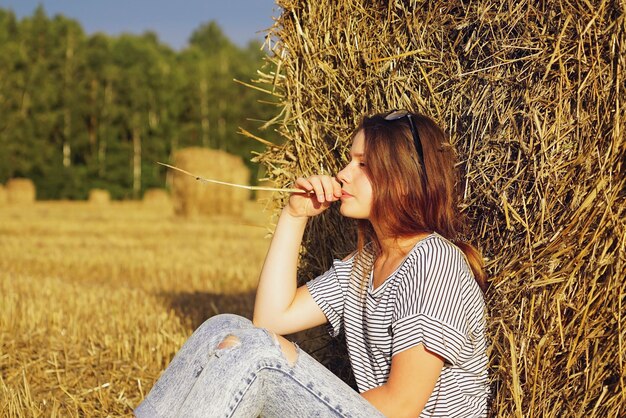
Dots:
pixel 348 212
pixel 344 211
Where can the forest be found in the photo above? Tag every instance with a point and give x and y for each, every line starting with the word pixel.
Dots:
pixel 81 111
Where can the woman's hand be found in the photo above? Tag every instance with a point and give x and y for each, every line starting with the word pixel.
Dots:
pixel 326 190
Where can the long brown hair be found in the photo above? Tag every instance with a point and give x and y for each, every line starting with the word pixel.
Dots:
pixel 412 194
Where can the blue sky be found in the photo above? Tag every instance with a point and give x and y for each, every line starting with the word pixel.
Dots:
pixel 172 20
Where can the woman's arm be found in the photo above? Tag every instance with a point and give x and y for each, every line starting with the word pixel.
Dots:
pixel 414 373
pixel 280 306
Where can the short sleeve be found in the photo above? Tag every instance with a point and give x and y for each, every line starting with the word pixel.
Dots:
pixel 429 306
pixel 329 292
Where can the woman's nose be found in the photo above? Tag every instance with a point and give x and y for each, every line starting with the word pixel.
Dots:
pixel 342 175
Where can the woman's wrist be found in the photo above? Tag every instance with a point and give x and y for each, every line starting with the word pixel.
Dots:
pixel 298 218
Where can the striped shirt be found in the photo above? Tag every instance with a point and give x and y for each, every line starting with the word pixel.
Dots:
pixel 432 299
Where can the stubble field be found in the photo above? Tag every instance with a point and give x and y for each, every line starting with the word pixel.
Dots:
pixel 95 300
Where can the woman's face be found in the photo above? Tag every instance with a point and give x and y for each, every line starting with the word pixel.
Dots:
pixel 356 188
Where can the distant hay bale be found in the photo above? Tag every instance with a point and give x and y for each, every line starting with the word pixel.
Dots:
pixel 156 197
pixel 3 195
pixel 533 97
pixel 192 197
pixel 99 197
pixel 20 191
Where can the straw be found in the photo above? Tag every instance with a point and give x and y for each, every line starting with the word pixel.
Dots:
pixel 242 186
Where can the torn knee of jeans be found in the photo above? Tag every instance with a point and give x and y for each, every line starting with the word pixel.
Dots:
pixel 229 341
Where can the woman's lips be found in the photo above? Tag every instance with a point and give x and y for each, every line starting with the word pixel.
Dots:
pixel 345 194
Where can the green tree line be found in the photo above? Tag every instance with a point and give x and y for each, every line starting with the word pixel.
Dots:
pixel 84 111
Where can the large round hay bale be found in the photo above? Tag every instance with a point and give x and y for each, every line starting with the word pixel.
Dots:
pixel 533 97
pixel 99 197
pixel 156 197
pixel 3 195
pixel 193 197
pixel 20 191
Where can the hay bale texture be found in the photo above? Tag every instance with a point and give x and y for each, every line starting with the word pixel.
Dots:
pixel 99 197
pixel 20 191
pixel 534 97
pixel 192 197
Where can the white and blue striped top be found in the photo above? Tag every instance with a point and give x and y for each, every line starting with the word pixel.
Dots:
pixel 432 299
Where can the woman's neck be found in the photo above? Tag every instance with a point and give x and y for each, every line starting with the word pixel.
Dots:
pixel 397 246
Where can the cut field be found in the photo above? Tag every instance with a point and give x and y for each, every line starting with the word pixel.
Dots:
pixel 95 300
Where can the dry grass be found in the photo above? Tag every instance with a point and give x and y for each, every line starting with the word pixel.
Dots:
pixel 3 195
pixel 94 301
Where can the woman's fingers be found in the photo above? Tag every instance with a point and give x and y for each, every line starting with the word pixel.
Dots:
pixel 318 188
pixel 329 192
pixel 326 188
pixel 336 188
pixel 322 191
pixel 303 184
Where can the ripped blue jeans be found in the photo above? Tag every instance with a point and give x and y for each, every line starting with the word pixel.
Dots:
pixel 249 378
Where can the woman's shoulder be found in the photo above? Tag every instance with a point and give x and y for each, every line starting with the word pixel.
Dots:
pixel 435 255
pixel 345 264
pixel 441 247
pixel 358 263
pixel 349 257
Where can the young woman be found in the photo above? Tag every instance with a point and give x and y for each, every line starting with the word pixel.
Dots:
pixel 409 300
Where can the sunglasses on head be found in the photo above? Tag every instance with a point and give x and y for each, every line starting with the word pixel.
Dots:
pixel 399 114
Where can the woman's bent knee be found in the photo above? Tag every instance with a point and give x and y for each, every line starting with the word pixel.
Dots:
pixel 259 343
pixel 229 341
pixel 224 322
